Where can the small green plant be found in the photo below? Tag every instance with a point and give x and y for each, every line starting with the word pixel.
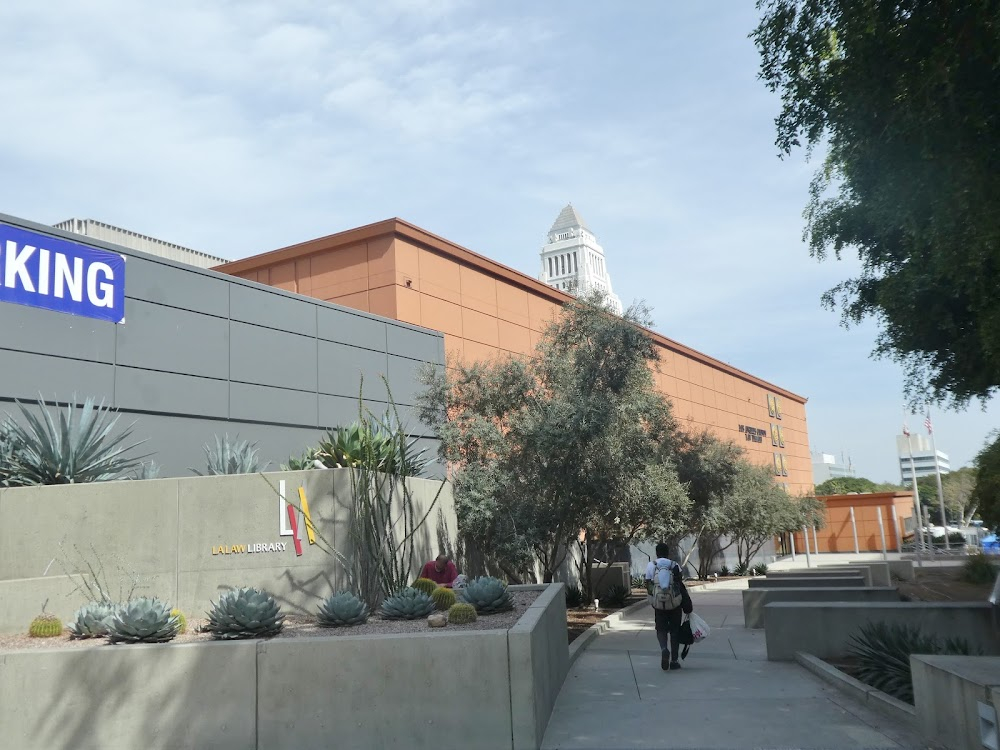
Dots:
pixel 181 621
pixel 724 571
pixel 462 614
pixel 408 604
pixel 488 595
pixel 443 598
pixel 92 620
pixel 375 444
pixel 45 626
pixel 883 655
pixel 307 462
pixel 616 596
pixel 760 569
pixel 245 613
pixel 342 610
pixel 225 457
pixel 424 584
pixel 638 582
pixel 574 597
pixel 146 470
pixel 979 568
pixel 73 447
pixel 143 620
pixel 742 569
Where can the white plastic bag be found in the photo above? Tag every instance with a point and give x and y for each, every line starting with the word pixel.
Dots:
pixel 699 628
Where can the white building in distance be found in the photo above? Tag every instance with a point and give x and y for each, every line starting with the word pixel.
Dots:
pixel 924 457
pixel 573 261
pixel 825 467
pixel 101 231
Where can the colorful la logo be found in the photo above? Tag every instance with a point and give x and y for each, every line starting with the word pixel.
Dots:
pixel 289 518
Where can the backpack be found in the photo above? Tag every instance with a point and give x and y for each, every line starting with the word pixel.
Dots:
pixel 669 597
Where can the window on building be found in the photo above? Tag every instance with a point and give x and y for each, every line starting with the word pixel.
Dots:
pixel 576 269
pixel 562 264
pixel 550 267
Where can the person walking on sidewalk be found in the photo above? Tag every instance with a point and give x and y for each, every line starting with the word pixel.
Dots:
pixel 670 600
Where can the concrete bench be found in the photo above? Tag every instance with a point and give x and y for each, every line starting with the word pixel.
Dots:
pixel 824 629
pixel 954 696
pixel 826 573
pixel 857 581
pixel 878 572
pixel 754 600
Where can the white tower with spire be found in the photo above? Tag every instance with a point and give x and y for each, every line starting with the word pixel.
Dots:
pixel 573 261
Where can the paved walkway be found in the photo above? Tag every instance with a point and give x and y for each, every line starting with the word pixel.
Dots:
pixel 727 695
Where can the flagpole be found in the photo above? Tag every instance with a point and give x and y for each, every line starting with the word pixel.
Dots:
pixel 937 472
pixel 918 526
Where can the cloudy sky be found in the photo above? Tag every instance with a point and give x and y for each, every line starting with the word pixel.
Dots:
pixel 236 127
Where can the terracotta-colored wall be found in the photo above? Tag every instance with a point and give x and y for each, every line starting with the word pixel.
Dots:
pixel 838 536
pixel 486 310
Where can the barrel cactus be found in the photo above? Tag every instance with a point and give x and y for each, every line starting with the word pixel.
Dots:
pixel 408 604
pixel 45 626
pixel 181 619
pixel 143 620
pixel 443 598
pixel 245 613
pixel 342 610
pixel 488 595
pixel 92 620
pixel 462 614
pixel 426 585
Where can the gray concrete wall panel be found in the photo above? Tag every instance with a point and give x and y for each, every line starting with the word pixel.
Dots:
pixel 262 305
pixel 346 327
pixel 409 342
pixel 259 403
pixel 265 356
pixel 404 379
pixel 26 375
pixel 149 390
pixel 341 368
pixel 156 337
pixel 45 331
pixel 153 280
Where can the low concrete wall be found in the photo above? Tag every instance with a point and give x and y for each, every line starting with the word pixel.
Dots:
pixel 878 572
pixel 814 581
pixel 901 569
pixel 619 575
pixel 754 600
pixel 491 689
pixel 947 692
pixel 865 573
pixel 825 629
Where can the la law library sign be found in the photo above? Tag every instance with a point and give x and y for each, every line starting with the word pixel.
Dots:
pixel 38 270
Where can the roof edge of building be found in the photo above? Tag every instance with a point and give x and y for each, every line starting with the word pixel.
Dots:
pixel 405 230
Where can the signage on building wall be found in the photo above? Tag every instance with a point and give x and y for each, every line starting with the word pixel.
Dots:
pixel 773 406
pixel 288 525
pixel 55 274
pixel 753 434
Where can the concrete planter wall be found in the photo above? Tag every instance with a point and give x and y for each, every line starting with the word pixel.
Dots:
pixel 187 539
pixel 488 690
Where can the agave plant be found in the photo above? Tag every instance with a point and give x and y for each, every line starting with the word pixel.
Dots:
pixel 92 620
pixel 616 595
pixel 8 450
pixel 75 446
pixel 306 462
pixel 408 604
pixel 245 613
pixel 343 609
pixel 488 595
pixel 883 655
pixel 236 457
pixel 143 620
pixel 378 445
pixel 146 470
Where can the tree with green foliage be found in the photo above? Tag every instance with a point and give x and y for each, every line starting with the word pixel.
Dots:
pixel 576 437
pixel 986 493
pixel 902 95
pixel 845 486
pixel 956 487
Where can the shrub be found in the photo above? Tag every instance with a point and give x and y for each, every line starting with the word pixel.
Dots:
pixel 488 595
pixel 760 569
pixel 883 654
pixel 638 582
pixel 443 598
pixel 342 610
pixel 979 568
pixel 245 613
pixel 724 571
pixel 574 597
pixel 92 620
pixel 955 539
pixel 424 584
pixel 143 620
pixel 462 614
pixel 45 626
pixel 225 457
pixel 74 447
pixel 742 569
pixel 408 604
pixel 616 596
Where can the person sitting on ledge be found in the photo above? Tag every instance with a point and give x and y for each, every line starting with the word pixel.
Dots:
pixel 441 570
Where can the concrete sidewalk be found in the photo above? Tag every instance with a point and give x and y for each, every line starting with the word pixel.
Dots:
pixel 727 695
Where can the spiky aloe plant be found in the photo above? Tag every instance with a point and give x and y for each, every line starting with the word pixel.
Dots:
pixel 443 598
pixel 883 655
pixel 92 620
pixel 245 613
pixel 343 609
pixel 461 614
pixel 75 446
pixel 408 604
pixel 143 620
pixel 230 457
pixel 488 595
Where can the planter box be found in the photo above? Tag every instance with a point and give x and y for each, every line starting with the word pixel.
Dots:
pixel 487 689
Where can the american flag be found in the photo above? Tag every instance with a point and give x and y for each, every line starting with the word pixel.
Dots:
pixel 906 430
pixel 927 424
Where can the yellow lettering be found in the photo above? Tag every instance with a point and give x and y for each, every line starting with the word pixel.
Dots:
pixel 215 550
pixel 241 548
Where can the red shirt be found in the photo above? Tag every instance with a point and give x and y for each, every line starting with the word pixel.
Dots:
pixel 441 577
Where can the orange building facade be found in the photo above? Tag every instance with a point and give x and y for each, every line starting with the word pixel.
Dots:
pixel 486 310
pixel 895 508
